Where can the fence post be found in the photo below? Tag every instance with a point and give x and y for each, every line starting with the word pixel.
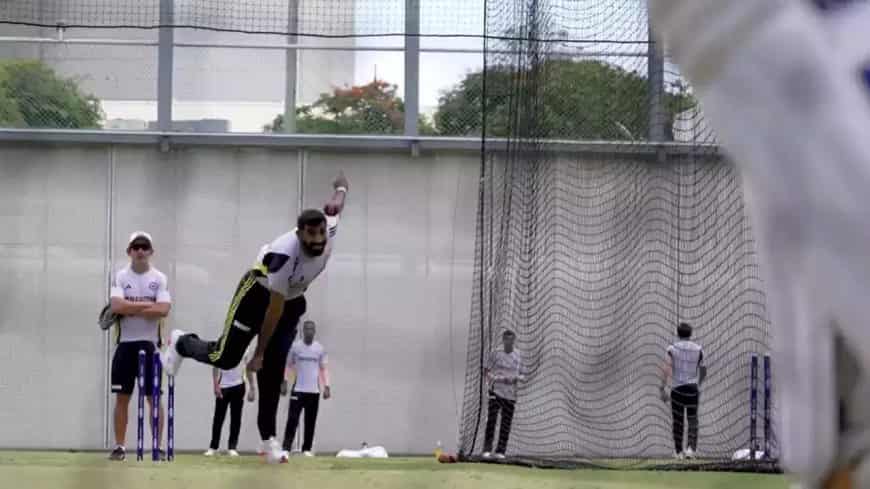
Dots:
pixel 165 65
pixel 656 80
pixel 412 66
pixel 290 57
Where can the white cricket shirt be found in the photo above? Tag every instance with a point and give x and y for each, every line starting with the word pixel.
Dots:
pixel 687 357
pixel 289 270
pixel 235 376
pixel 140 287
pixel 502 364
pixel 307 360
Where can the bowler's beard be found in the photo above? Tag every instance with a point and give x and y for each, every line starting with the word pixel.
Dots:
pixel 313 251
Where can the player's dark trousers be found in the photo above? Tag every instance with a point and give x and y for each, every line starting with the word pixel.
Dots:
pixel 244 319
pixel 234 398
pixel 506 408
pixel 301 401
pixel 684 401
pixel 271 376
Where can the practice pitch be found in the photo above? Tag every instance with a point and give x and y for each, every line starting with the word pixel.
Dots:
pixel 38 470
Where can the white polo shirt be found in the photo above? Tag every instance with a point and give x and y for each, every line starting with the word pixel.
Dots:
pixel 289 270
pixel 307 360
pixel 503 364
pixel 687 357
pixel 235 376
pixel 140 287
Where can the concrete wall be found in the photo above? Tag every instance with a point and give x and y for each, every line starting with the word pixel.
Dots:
pixel 392 306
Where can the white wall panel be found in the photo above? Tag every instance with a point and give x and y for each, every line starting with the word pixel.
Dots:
pixel 392 306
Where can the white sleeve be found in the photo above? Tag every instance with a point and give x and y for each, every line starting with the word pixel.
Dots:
pixel 323 359
pixel 279 269
pixel 332 225
pixel 490 361
pixel 163 294
pixel 291 356
pixel 116 290
pixel 249 352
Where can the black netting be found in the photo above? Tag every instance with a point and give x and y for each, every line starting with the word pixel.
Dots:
pixel 593 258
pixel 83 13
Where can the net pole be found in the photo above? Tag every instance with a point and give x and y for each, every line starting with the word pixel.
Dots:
pixel 767 406
pixel 290 63
pixel 656 79
pixel 481 221
pixel 412 66
pixel 753 405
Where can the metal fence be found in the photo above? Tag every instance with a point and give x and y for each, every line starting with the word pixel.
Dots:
pixel 388 67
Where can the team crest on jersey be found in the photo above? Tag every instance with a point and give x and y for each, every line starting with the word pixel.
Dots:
pixel 153 286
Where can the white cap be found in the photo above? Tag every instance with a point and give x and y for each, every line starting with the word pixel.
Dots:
pixel 139 234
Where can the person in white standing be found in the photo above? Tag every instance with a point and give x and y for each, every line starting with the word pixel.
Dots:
pixel 229 391
pixel 503 373
pixel 140 296
pixel 685 371
pixel 307 361
pixel 786 86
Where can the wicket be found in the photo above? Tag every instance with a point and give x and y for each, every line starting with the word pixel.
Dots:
pixel 155 411
pixel 753 406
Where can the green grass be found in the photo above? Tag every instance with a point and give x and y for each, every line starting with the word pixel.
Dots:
pixel 43 470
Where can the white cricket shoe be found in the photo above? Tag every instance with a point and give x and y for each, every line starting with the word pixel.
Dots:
pixel 690 453
pixel 500 456
pixel 170 357
pixel 232 453
pixel 210 453
pixel 487 455
pixel 273 452
pixel 308 453
pixel 678 455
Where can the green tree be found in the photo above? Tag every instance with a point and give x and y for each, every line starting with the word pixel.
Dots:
pixel 572 99
pixel 373 108
pixel 33 95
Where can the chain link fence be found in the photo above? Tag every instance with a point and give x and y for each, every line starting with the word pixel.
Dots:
pixel 92 64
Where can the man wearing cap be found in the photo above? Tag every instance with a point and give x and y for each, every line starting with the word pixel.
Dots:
pixel 140 296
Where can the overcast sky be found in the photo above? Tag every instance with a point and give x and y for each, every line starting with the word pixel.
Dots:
pixel 438 71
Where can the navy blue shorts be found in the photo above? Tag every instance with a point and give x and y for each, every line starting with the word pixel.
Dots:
pixel 125 366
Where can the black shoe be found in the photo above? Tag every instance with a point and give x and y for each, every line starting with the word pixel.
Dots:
pixel 118 454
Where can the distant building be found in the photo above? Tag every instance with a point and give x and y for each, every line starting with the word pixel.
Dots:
pixel 209 83
pixel 203 125
pixel 126 125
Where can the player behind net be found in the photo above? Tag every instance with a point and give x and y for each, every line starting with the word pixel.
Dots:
pixel 786 85
pixel 503 373
pixel 268 302
pixel 684 370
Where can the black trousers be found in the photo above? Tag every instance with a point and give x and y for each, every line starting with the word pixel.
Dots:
pixel 506 408
pixel 244 319
pixel 234 398
pixel 684 400
pixel 301 401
